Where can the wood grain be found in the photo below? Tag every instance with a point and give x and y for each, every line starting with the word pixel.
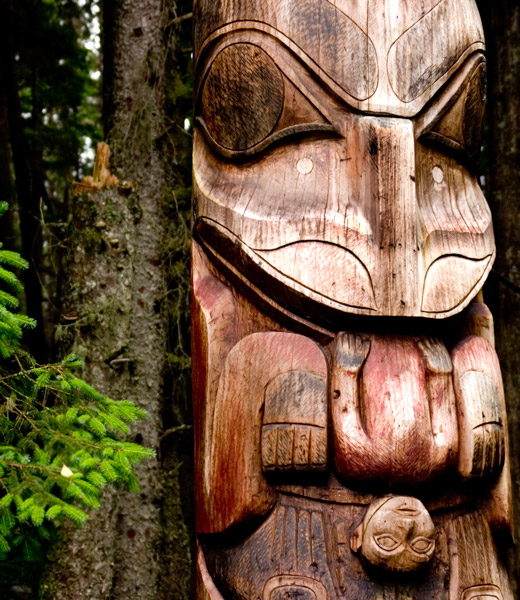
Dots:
pixel 391 385
pixel 391 206
pixel 363 50
pixel 243 96
pixel 345 447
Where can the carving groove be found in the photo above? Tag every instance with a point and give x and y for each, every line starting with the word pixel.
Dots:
pixel 411 73
pixel 332 40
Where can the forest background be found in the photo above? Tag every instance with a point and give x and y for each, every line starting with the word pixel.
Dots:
pixel 108 275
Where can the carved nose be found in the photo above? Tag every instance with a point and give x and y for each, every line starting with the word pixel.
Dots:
pixel 390 199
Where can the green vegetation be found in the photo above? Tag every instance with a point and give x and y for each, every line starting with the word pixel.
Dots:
pixel 60 439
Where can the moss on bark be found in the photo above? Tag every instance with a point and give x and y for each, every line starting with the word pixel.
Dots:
pixel 126 311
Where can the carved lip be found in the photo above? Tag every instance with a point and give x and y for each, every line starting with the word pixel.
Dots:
pixel 451 279
pixel 330 270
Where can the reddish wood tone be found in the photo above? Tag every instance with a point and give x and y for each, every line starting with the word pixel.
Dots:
pixel 392 380
pixel 350 425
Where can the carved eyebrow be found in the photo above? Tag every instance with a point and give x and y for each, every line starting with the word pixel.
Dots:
pixel 325 34
pixel 444 35
pixel 447 96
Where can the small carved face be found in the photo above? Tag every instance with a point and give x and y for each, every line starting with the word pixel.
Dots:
pixel 397 535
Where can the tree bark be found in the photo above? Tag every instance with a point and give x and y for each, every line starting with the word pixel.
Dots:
pixel 502 20
pixel 135 546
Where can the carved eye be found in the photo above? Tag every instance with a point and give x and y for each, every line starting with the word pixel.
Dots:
pixel 243 96
pixel 422 545
pixel 387 542
pixel 460 126
pixel 247 103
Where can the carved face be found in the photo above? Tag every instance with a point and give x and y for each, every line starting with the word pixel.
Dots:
pixel 334 151
pixel 397 535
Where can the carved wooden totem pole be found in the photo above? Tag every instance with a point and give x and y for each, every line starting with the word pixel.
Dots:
pixel 350 423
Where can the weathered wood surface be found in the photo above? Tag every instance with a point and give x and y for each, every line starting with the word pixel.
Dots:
pixel 350 425
pixel 323 182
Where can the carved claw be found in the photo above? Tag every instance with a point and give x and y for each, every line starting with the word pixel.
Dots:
pixel 435 355
pixel 488 450
pixel 350 351
pixel 294 447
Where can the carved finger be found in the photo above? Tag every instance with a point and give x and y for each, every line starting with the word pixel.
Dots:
pixel 482 447
pixel 488 450
pixel 435 355
pixel 294 448
pixel 350 351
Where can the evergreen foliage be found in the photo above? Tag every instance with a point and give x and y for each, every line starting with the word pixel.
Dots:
pixel 62 441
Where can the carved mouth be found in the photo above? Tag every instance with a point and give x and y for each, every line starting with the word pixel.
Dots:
pixel 303 273
pixel 451 279
pixel 320 271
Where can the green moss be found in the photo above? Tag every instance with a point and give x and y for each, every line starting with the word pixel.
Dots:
pixel 111 214
pixel 179 362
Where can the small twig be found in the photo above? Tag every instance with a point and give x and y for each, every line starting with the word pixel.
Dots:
pixel 43 468
pixel 180 19
pixel 177 429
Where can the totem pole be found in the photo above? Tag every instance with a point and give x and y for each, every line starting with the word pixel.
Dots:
pixel 350 424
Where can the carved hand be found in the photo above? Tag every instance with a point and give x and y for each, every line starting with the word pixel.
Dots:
pixel 393 409
pixel 481 409
pixel 294 428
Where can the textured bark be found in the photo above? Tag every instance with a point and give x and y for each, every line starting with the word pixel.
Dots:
pixel 502 19
pixel 135 546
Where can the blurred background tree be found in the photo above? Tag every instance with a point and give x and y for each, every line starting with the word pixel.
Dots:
pixel 109 267
pixel 50 110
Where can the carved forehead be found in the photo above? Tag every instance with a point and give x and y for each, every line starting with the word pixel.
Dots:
pixel 384 55
pixel 431 46
pixel 325 34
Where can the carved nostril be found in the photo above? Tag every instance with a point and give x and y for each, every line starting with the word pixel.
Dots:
pixel 408 510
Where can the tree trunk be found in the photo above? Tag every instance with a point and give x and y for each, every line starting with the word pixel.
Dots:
pixel 6 183
pixel 135 546
pixel 502 19
pixel 28 191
